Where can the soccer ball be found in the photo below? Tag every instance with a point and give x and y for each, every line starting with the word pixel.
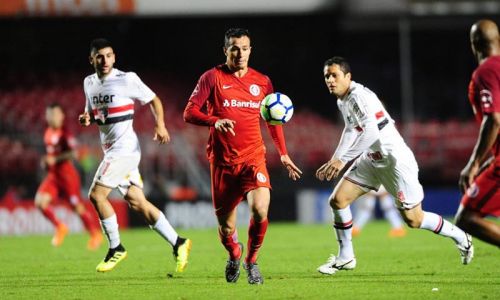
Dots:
pixel 276 109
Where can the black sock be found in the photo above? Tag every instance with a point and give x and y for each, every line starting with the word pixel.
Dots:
pixel 178 243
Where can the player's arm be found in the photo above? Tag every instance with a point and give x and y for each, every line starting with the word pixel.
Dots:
pixel 50 160
pixel 193 111
pixel 488 133
pixel 355 146
pixel 87 117
pixel 161 133
pixel 278 137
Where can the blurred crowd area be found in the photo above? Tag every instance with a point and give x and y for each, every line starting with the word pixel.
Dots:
pixel 180 169
pixel 419 66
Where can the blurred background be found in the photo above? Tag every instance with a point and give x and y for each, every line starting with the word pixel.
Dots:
pixel 415 54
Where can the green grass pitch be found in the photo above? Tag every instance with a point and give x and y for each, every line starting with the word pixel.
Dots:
pixel 405 268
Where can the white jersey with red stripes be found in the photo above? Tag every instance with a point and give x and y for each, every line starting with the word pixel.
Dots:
pixel 361 109
pixel 111 100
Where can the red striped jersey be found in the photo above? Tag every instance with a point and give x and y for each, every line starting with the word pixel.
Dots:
pixel 111 101
pixel 484 93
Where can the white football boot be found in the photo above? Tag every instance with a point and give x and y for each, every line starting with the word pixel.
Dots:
pixel 466 250
pixel 334 264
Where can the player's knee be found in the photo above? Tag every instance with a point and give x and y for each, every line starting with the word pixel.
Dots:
pixel 42 201
pixel 226 229
pixel 338 202
pixel 412 222
pixel 96 197
pixel 259 211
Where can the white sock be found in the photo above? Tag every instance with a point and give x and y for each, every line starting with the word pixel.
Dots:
pixel 343 227
pixel 364 210
pixel 163 227
pixel 390 211
pixel 438 225
pixel 110 228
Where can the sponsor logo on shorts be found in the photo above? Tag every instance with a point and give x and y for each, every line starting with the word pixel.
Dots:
pixel 254 90
pixel 261 177
pixel 473 191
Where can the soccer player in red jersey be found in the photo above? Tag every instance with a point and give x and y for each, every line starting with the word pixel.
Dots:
pixel 62 179
pixel 232 93
pixel 480 179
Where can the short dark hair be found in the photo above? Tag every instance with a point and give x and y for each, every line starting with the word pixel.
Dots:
pixel 98 44
pixel 54 105
pixel 341 62
pixel 235 32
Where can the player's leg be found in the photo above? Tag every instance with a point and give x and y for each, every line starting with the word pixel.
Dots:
pixel 482 199
pixel 392 215
pixel 417 218
pixel 343 195
pixel 70 187
pixel 475 224
pixel 159 223
pixel 228 235
pixel 98 195
pixel 364 211
pixel 258 201
pixel 226 195
pixel 46 192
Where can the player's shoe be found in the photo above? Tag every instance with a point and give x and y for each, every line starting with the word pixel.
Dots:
pixel 113 257
pixel 59 235
pixel 95 240
pixel 181 254
pixel 334 264
pixel 466 250
pixel 233 267
pixel 397 232
pixel 253 273
pixel 356 231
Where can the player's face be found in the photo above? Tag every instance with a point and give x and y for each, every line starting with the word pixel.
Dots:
pixel 54 117
pixel 238 53
pixel 103 60
pixel 336 81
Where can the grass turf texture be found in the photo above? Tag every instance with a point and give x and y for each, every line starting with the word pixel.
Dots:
pixel 405 268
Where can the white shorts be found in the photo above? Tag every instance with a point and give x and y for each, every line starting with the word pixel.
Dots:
pixel 119 172
pixel 400 179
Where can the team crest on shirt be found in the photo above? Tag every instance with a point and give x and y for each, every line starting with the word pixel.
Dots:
pixel 486 98
pixel 261 177
pixel 473 191
pixel 254 90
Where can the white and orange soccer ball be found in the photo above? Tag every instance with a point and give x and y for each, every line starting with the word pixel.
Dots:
pixel 276 109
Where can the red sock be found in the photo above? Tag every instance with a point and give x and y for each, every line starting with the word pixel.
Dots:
pixel 49 214
pixel 230 242
pixel 256 233
pixel 88 222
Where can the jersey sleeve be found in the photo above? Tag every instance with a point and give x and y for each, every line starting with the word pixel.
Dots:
pixel 367 125
pixel 88 106
pixel 193 112
pixel 278 136
pixel 203 88
pixel 138 90
pixel 489 90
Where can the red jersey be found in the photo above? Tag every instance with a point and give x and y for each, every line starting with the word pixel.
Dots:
pixel 237 98
pixel 58 141
pixel 484 93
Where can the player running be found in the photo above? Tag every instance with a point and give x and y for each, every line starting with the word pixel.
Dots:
pixel 384 159
pixel 110 95
pixel 232 93
pixel 480 179
pixel 62 179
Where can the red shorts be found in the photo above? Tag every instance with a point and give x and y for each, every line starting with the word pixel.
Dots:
pixel 65 187
pixel 231 183
pixel 483 196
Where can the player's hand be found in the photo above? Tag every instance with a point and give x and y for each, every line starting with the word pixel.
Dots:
pixel 84 119
pixel 161 134
pixel 330 170
pixel 293 171
pixel 467 176
pixel 225 125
